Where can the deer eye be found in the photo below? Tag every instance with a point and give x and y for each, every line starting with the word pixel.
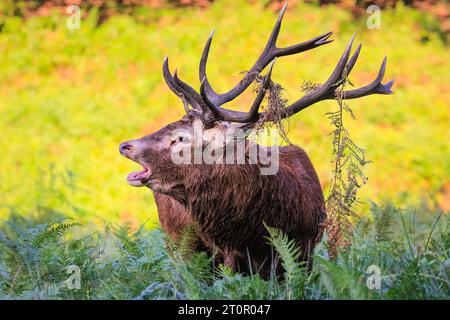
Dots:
pixel 179 139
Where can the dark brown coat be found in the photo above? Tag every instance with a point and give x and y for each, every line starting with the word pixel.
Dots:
pixel 229 204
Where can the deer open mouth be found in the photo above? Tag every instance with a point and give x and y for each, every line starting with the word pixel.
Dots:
pixel 139 178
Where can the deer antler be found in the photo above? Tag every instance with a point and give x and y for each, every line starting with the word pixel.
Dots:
pixel 188 95
pixel 208 103
pixel 271 51
pixel 342 69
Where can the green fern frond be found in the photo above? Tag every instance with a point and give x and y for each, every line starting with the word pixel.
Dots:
pixel 186 244
pixel 289 254
pixel 126 240
pixel 54 230
pixel 286 248
pixel 384 218
pixel 4 240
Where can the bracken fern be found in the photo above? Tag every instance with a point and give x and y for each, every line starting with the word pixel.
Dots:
pixel 121 263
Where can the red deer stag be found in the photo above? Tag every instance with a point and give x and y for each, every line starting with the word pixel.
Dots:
pixel 230 203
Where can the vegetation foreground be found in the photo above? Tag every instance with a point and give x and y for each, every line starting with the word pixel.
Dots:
pixel 411 255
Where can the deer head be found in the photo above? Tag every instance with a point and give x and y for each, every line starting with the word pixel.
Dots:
pixel 205 109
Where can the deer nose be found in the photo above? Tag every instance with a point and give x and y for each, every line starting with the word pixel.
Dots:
pixel 125 147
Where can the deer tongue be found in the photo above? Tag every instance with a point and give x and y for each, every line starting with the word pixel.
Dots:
pixel 139 175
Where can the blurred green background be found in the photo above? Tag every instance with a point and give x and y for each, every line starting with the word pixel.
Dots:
pixel 69 97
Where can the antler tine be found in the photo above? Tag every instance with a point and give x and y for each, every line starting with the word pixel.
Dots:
pixel 203 94
pixel 173 85
pixel 352 61
pixel 327 90
pixel 270 52
pixel 187 94
pixel 375 87
pixel 188 89
pixel 272 42
pixel 208 114
pixel 339 70
pixel 202 68
pixel 169 79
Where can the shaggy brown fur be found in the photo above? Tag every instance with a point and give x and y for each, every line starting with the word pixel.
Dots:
pixel 240 200
pixel 229 204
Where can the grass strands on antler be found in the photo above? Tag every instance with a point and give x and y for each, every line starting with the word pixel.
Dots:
pixel 275 110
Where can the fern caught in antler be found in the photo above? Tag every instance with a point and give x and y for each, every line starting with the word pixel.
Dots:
pixel 348 175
